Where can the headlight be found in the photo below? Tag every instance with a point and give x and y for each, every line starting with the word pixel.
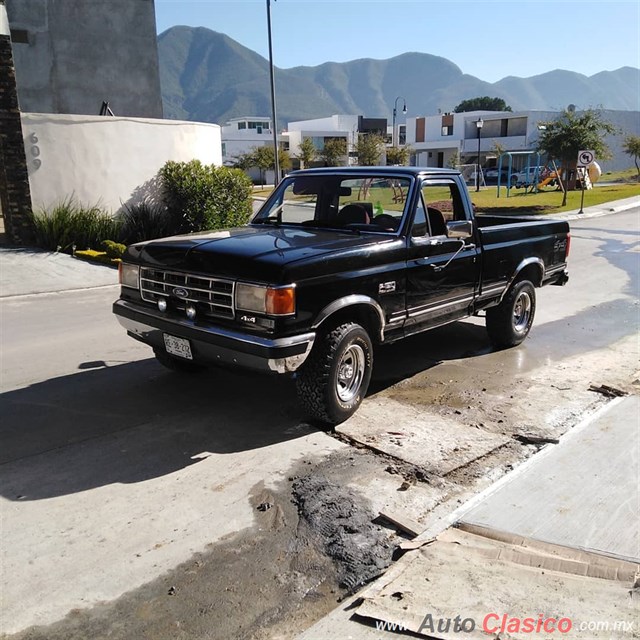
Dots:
pixel 272 301
pixel 129 275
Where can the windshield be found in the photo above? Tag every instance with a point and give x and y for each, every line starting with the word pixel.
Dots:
pixel 364 203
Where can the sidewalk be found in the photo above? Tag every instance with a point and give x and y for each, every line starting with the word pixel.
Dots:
pixel 558 536
pixel 31 271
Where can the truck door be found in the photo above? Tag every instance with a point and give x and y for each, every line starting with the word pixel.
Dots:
pixel 442 271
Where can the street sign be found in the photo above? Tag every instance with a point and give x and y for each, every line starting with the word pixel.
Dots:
pixel 586 157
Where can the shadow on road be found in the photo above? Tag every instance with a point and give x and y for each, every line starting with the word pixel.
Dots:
pixel 133 422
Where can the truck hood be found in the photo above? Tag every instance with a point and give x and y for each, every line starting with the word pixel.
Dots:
pixel 258 253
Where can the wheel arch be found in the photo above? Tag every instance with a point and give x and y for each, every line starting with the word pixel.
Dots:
pixel 531 269
pixel 355 308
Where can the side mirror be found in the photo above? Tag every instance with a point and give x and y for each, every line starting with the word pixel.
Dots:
pixel 460 229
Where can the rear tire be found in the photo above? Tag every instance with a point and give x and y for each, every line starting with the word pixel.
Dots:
pixel 177 364
pixel 509 323
pixel 334 380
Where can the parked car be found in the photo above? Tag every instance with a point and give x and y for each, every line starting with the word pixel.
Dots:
pixel 338 260
pixel 491 176
pixel 527 176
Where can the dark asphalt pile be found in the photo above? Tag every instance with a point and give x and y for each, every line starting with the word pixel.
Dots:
pixel 339 517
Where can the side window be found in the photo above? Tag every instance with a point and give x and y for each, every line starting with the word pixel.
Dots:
pixel 442 198
pixel 419 228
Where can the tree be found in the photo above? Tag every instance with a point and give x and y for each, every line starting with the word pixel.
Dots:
pixel 562 138
pixel 485 103
pixel 264 159
pixel 284 159
pixel 498 148
pixel 398 155
pixel 307 152
pixel 369 148
pixel 631 146
pixel 334 150
pixel 454 160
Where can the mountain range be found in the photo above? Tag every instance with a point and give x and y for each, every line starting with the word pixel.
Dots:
pixel 208 77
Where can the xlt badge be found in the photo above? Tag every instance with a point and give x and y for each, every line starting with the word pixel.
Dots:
pixel 387 287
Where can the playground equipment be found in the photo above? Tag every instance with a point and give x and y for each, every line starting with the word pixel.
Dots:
pixel 508 155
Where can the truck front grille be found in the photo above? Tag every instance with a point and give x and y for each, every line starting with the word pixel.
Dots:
pixel 211 296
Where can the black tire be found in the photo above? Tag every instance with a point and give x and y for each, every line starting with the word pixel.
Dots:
pixel 509 323
pixel 334 380
pixel 177 364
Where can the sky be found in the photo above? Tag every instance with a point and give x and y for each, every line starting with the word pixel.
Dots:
pixel 489 39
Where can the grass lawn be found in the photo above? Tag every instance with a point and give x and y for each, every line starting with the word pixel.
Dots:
pixel 548 201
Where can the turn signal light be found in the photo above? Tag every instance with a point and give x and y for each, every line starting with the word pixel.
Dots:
pixel 281 301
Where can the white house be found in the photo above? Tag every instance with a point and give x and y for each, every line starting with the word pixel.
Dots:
pixel 320 130
pixel 241 135
pixel 436 139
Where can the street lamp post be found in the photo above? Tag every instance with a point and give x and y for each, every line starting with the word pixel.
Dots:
pixel 274 124
pixel 479 125
pixel 395 111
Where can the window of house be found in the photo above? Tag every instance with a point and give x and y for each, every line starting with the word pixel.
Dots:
pixel 224 148
pixel 242 125
pixel 447 130
pixel 402 134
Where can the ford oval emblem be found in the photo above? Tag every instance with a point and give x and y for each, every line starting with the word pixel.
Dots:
pixel 181 293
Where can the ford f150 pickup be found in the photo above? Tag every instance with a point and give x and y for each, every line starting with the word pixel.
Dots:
pixel 336 261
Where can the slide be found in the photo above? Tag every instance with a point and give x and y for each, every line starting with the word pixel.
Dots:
pixel 549 177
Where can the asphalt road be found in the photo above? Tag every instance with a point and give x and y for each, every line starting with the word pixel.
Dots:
pixel 113 471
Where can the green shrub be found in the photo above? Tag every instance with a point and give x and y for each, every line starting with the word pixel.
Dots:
pixel 113 249
pixel 97 256
pixel 70 225
pixel 145 221
pixel 202 197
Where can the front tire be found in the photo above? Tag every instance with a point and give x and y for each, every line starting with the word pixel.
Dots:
pixel 334 380
pixel 509 323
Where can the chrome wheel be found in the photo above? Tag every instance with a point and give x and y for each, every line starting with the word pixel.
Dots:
pixel 351 370
pixel 522 312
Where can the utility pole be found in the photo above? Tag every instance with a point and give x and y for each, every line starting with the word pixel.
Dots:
pixel 274 116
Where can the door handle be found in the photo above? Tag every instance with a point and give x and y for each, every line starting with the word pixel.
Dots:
pixel 468 247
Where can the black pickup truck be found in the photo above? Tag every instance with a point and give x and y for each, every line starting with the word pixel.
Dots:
pixel 336 261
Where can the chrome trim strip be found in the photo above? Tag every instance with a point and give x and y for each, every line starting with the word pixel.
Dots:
pixel 553 270
pixel 492 291
pixel 349 301
pixel 418 311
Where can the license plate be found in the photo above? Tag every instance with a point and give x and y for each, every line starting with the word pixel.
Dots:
pixel 177 346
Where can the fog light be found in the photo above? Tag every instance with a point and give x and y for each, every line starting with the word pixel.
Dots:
pixel 191 312
pixel 162 305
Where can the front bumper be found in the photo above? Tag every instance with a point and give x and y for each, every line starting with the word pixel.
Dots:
pixel 214 345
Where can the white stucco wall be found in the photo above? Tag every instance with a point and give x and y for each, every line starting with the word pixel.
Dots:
pixel 108 160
